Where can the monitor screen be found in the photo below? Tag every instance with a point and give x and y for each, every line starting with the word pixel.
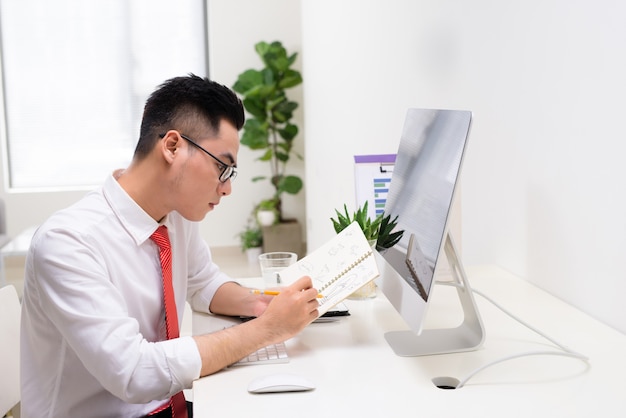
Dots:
pixel 421 193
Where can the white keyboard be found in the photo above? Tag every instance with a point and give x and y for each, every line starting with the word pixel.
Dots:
pixel 272 354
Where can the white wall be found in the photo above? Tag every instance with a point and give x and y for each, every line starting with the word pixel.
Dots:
pixel 543 183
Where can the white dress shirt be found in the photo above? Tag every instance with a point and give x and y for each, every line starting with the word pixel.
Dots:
pixel 93 317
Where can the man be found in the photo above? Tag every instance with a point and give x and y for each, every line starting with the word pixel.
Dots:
pixel 94 326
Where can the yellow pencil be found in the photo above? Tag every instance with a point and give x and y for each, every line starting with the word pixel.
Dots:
pixel 272 292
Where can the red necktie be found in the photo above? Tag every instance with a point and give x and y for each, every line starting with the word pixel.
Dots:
pixel 161 238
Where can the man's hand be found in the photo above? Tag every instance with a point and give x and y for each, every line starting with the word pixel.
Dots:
pixel 294 308
pixel 279 318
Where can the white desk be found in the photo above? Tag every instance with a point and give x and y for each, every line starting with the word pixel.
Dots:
pixel 358 375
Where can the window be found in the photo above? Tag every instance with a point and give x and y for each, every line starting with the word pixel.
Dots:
pixel 76 75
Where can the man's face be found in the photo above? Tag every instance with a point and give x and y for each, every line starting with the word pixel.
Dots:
pixel 198 184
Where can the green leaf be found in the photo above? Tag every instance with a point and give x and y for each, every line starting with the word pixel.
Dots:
pixel 387 238
pixel 342 220
pixel 286 107
pixel 369 227
pixel 290 184
pixel 285 146
pixel 255 107
pixel 261 48
pixel 290 78
pixel 336 225
pixel 283 111
pixel 267 155
pixel 255 135
pixel 289 132
pixel 281 156
pixel 248 80
pixel 276 57
pixel 275 101
pixel 269 79
pixel 292 58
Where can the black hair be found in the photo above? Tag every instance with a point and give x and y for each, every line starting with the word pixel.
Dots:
pixel 188 104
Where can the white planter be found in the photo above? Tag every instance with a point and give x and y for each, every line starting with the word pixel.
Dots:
pixel 266 217
pixel 253 254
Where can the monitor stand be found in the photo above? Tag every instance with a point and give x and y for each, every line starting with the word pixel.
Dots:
pixel 468 336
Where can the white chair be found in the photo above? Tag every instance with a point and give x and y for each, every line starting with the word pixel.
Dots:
pixel 9 351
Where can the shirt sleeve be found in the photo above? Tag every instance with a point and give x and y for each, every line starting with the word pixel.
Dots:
pixel 205 277
pixel 77 295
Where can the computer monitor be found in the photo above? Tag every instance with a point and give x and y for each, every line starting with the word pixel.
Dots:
pixel 421 193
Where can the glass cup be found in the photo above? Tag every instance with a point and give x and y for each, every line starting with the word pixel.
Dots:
pixel 272 264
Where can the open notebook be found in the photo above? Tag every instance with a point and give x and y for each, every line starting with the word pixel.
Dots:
pixel 338 268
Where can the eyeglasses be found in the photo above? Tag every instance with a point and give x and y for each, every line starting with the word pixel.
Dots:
pixel 227 172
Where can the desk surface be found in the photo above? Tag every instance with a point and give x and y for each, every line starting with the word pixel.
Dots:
pixel 357 373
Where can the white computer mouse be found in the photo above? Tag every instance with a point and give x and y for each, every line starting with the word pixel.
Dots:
pixel 280 382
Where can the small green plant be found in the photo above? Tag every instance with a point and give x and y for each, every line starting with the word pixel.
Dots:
pixel 368 226
pixel 380 228
pixel 387 238
pixel 267 204
pixel 251 237
pixel 270 205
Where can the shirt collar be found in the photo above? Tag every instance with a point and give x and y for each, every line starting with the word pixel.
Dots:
pixel 131 216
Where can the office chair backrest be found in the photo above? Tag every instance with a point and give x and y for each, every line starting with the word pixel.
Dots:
pixel 9 349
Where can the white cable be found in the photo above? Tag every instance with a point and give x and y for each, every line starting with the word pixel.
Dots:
pixel 514 356
pixel 567 352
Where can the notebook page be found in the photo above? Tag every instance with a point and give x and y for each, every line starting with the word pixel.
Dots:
pixel 338 268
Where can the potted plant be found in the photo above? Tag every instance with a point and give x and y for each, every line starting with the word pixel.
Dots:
pixel 379 231
pixel 267 212
pixel 269 127
pixel 251 239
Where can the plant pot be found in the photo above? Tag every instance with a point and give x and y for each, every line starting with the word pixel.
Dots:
pixel 253 254
pixel 266 217
pixel 284 236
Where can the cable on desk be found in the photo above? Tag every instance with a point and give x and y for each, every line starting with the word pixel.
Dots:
pixel 567 352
